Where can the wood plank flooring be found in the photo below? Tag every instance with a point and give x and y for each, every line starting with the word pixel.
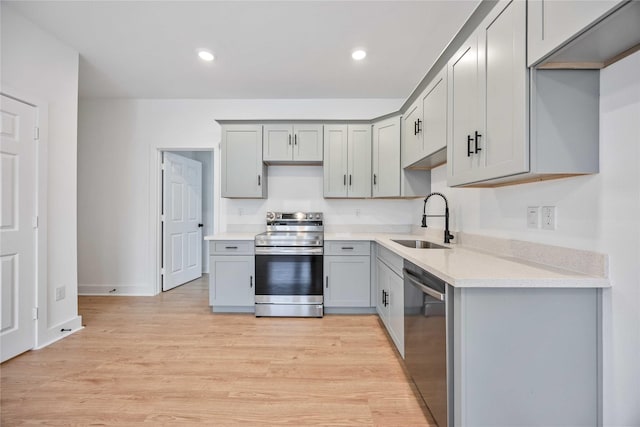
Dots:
pixel 166 360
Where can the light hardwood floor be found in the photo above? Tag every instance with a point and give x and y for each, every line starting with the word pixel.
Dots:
pixel 166 360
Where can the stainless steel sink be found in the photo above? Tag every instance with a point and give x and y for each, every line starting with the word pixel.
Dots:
pixel 419 244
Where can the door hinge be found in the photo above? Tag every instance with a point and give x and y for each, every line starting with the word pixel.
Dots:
pixel 35 222
pixel 36 133
pixel 162 218
pixel 162 271
pixel 163 165
pixel 35 313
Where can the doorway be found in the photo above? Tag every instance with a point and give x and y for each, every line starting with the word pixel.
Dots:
pixel 186 215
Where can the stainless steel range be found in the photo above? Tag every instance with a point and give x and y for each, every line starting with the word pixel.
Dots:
pixel 289 265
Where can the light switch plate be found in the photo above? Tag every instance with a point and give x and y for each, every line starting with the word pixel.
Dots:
pixel 549 217
pixel 533 217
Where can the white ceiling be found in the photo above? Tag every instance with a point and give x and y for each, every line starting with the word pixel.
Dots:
pixel 263 49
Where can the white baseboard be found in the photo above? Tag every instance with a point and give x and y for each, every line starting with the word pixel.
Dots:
pixel 115 290
pixel 59 331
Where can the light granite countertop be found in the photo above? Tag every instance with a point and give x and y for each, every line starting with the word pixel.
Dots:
pixel 465 267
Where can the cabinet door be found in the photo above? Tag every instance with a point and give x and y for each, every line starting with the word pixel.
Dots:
pixel 382 273
pixel 386 158
pixel 412 139
pixel 307 143
pixel 396 310
pixel 359 160
pixel 243 172
pixel 503 75
pixel 277 143
pixel 231 281
pixel 335 165
pixel 463 112
pixel 551 23
pixel 434 112
pixel 347 281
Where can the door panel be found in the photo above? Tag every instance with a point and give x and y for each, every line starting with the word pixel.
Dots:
pixel 434 107
pixel 18 192
pixel 386 158
pixel 335 161
pixel 359 158
pixel 243 171
pixel 182 236
pixel 307 143
pixel 504 73
pixel 278 144
pixel 412 141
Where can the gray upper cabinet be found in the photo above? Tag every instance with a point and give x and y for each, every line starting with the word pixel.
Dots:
pixel 507 124
pixel 488 100
pixel 286 143
pixel 389 179
pixel 347 161
pixel 243 174
pixel 386 158
pixel 424 127
pixel 551 23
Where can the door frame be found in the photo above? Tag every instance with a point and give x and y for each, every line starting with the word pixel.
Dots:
pixel 41 171
pixel 156 206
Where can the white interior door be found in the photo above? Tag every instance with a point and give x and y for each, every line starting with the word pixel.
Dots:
pixel 17 233
pixel 182 220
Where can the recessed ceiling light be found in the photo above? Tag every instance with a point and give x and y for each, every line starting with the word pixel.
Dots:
pixel 205 55
pixel 359 54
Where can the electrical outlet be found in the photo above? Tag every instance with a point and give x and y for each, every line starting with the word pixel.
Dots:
pixel 533 217
pixel 549 217
pixel 60 293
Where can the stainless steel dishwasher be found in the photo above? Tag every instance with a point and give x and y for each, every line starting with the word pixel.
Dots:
pixel 425 338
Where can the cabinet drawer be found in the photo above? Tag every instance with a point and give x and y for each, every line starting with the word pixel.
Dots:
pixel 345 247
pixel 232 247
pixel 393 261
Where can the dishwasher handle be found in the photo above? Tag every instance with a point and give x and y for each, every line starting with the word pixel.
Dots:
pixel 427 290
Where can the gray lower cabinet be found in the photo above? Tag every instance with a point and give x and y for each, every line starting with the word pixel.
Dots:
pixel 524 356
pixel 232 276
pixel 390 299
pixel 347 274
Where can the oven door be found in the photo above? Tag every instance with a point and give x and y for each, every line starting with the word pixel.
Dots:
pixel 289 279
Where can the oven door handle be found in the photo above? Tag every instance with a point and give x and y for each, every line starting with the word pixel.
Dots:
pixel 292 250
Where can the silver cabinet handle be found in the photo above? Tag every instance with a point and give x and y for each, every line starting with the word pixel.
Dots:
pixel 427 290
pixel 326 282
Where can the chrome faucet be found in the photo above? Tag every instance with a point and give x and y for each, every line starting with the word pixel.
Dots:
pixel 447 236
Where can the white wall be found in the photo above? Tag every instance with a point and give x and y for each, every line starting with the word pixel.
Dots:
pixel 119 143
pixel 599 213
pixel 40 67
